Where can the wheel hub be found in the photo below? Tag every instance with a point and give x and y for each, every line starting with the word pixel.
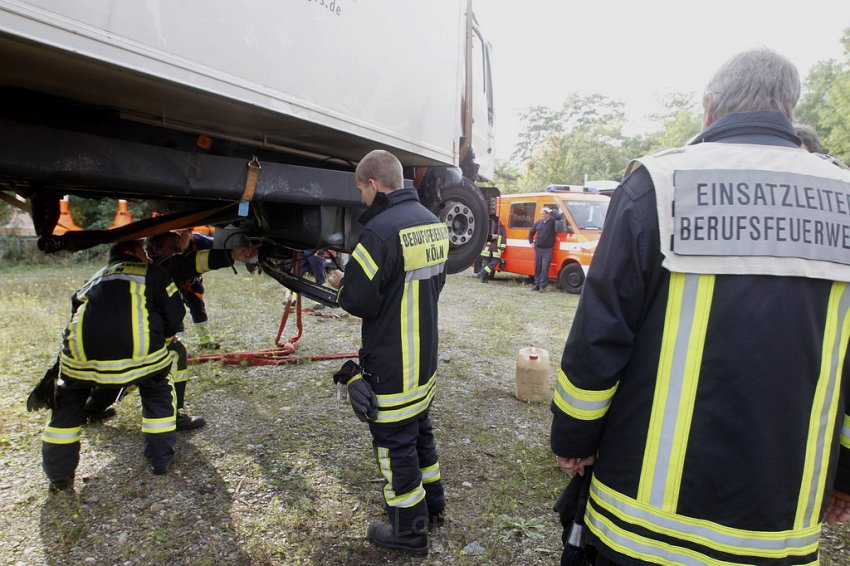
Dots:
pixel 461 222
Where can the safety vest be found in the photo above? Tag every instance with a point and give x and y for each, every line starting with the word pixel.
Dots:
pixel 714 452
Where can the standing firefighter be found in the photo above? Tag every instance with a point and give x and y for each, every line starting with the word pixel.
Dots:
pixel 192 289
pixel 491 255
pixel 706 369
pixel 121 320
pixel 393 284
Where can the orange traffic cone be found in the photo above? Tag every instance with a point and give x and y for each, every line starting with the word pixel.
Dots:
pixel 66 221
pixel 123 216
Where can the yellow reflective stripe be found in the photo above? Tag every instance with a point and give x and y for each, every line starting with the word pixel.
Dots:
pixel 370 268
pixel 390 400
pixel 395 415
pixel 75 333
pixel 115 371
pixel 825 407
pixel 582 404
pixel 688 308
pixel 138 319
pixel 170 289
pixel 431 474
pixel 767 544
pixel 55 435
pixel 845 432
pixel 354 378
pixel 159 425
pixel 410 336
pixel 202 261
pixel 178 375
pixel 424 246
pixel 392 498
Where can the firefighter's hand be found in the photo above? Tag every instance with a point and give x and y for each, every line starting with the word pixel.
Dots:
pixel 838 508
pixel 575 465
pixel 363 399
pixel 335 278
pixel 245 254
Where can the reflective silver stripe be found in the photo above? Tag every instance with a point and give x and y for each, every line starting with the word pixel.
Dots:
pixel 365 261
pixel 75 333
pixel 68 435
pixel 605 531
pixel 386 416
pixel 389 401
pixel 813 504
pixel 674 394
pixel 698 530
pixel 431 474
pixel 158 427
pixel 424 272
pixel 410 334
pixel 580 404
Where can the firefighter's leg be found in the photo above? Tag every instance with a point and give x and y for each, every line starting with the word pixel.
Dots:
pixel 60 442
pixel 179 374
pixel 429 468
pixel 159 419
pixel 396 452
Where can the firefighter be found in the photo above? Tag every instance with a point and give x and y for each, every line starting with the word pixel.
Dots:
pixel 705 374
pixel 393 284
pixel 491 255
pixel 164 250
pixel 121 320
pixel 192 290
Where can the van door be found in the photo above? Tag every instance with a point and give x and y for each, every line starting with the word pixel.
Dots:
pixel 519 255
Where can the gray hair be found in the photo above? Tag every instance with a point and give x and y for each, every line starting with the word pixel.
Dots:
pixel 383 167
pixel 809 136
pixel 760 79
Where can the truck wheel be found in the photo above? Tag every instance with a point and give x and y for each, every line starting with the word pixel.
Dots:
pixel 464 211
pixel 571 278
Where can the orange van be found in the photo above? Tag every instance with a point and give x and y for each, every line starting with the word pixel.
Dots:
pixel 577 232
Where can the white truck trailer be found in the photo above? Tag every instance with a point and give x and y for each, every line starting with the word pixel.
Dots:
pixel 198 104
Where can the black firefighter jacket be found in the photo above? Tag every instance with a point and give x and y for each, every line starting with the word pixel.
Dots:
pixel 717 404
pixel 393 282
pixel 120 322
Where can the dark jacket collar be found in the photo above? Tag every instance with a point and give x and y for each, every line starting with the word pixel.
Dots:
pixel 759 127
pixel 123 258
pixel 383 201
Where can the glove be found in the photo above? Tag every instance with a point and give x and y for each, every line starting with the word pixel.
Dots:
pixel 363 399
pixel 44 394
pixel 348 370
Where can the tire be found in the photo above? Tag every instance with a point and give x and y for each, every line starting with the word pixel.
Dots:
pixel 571 278
pixel 464 211
pixel 476 267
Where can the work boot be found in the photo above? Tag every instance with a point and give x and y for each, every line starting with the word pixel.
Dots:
pixel 159 470
pixel 61 486
pixel 210 345
pixel 95 416
pixel 187 422
pixel 382 536
pixel 436 520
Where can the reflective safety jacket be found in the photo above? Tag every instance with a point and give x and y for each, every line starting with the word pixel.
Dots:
pixel 715 398
pixel 494 248
pixel 393 281
pixel 119 324
pixel 186 268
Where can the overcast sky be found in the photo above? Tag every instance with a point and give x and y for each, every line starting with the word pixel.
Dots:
pixel 638 50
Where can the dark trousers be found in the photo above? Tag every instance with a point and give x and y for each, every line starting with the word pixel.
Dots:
pixel 407 457
pixel 102 396
pixel 60 447
pixel 488 266
pixel 542 259
pixel 193 297
pixel 316 265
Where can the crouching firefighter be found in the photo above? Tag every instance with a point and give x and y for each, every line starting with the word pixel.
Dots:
pixel 393 284
pixel 491 255
pixel 116 337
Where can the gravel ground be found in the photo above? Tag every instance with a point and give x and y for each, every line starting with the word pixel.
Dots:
pixel 279 475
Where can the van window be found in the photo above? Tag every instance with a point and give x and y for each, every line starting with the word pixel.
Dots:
pixel 588 215
pixel 522 215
